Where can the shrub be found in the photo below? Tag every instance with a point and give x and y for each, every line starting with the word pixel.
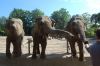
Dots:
pixel 90 32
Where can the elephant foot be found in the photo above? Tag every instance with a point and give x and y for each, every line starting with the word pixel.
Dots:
pixel 74 56
pixel 34 56
pixel 15 54
pixel 81 59
pixel 42 56
pixel 8 55
pixel 38 52
pixel 68 52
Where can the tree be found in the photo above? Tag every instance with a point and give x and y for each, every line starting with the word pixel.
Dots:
pixel 35 13
pixel 94 18
pixel 98 18
pixel 17 13
pixel 27 22
pixel 2 25
pixel 86 18
pixel 61 17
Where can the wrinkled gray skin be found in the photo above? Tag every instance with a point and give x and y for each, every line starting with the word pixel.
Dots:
pixel 43 26
pixel 15 34
pixel 77 28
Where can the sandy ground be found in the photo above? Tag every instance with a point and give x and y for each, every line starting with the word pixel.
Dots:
pixel 55 52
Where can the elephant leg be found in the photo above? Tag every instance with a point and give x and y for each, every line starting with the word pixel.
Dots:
pixel 35 47
pixel 19 46
pixel 20 49
pixel 73 50
pixel 38 50
pixel 43 45
pixel 15 49
pixel 8 54
pixel 81 55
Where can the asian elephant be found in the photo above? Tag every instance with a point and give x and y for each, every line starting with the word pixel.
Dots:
pixel 77 28
pixel 15 34
pixel 43 26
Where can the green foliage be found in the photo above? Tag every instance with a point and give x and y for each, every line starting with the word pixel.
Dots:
pixel 95 18
pixel 35 13
pixel 86 18
pixel 17 13
pixel 2 25
pixel 61 17
pixel 2 33
pixel 91 31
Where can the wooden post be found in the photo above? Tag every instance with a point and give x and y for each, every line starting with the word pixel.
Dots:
pixel 68 47
pixel 29 41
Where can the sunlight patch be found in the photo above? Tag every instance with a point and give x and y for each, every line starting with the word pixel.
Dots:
pixel 73 1
pixel 93 5
pixel 29 56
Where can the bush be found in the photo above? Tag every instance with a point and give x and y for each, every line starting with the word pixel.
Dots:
pixel 2 33
pixel 90 32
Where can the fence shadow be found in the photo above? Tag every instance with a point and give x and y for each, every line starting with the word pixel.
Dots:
pixel 51 60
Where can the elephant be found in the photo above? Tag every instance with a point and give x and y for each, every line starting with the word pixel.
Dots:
pixel 43 26
pixel 76 26
pixel 15 33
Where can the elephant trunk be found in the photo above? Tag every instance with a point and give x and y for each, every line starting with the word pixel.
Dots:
pixel 61 33
pixel 82 36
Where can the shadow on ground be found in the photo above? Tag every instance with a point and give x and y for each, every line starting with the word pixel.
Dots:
pixel 51 60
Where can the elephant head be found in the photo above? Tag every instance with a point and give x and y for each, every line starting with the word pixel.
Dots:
pixel 14 26
pixel 77 27
pixel 43 25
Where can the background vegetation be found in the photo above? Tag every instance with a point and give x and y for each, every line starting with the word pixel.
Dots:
pixel 61 16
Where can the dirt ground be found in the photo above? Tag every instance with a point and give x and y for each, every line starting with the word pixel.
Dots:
pixel 55 52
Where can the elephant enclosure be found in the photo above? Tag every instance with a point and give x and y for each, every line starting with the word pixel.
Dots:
pixel 55 52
